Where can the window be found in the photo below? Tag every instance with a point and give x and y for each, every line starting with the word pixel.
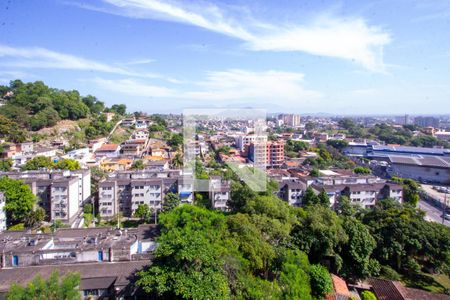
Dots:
pixel 87 293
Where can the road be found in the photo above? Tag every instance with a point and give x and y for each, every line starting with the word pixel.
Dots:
pixel 114 129
pixel 433 213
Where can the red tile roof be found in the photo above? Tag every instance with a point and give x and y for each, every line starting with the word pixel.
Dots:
pixel 108 147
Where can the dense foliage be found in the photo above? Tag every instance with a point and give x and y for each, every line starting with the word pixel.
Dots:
pixel 43 162
pixel 265 249
pixel 19 200
pixel 34 105
pixel 53 288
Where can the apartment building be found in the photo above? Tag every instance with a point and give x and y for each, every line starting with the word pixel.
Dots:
pixel 124 191
pixel 61 193
pixel 219 192
pixel 2 212
pixel 270 154
pixel 362 190
pixel 291 120
pixel 275 154
pixel 243 141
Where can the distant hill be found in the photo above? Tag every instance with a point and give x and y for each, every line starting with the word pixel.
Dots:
pixel 32 106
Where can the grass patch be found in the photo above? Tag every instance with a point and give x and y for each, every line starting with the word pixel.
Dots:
pixel 428 282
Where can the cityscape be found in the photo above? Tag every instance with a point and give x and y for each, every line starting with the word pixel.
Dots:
pixel 224 150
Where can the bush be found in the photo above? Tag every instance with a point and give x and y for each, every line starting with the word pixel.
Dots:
pixel 389 273
pixel 321 284
pixel 368 295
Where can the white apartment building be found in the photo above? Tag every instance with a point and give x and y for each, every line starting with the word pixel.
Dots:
pixel 219 193
pixel 63 192
pixel 245 140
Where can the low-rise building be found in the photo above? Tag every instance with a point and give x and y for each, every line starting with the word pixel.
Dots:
pixel 108 150
pixel 422 168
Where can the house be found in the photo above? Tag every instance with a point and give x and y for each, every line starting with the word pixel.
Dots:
pixel 128 122
pixel 116 164
pixel 109 116
pixel 141 134
pixel 8 150
pixel 133 148
pixel 141 124
pixel 108 150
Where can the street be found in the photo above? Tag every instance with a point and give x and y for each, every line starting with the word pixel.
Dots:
pixel 433 213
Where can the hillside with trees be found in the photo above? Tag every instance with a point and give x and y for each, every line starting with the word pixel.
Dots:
pixel 29 107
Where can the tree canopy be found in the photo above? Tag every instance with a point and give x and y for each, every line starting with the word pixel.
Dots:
pixel 19 200
pixel 54 287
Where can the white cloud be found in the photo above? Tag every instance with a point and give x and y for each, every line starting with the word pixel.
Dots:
pixel 143 61
pixel 247 85
pixel 41 58
pixel 224 86
pixel 36 57
pixel 346 38
pixel 132 87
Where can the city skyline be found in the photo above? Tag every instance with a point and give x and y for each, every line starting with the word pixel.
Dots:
pixel 156 56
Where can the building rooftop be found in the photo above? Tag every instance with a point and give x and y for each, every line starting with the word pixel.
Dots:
pixel 108 147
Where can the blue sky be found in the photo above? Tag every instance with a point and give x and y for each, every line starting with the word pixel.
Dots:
pixel 339 57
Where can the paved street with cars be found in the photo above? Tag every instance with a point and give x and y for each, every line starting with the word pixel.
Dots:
pixel 433 211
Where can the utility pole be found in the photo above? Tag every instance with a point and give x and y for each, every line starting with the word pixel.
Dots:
pixel 444 207
pixel 93 210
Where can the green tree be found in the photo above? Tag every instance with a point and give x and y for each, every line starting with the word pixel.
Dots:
pixel 320 234
pixel 309 197
pixel 189 261
pixel 175 141
pixel 294 278
pixel 368 295
pixel 411 192
pixel 321 284
pixel 6 164
pixel 138 165
pixel 19 200
pixel 324 199
pixel 120 109
pixel 240 195
pixel 171 200
pixel 38 162
pixel 88 208
pixel 143 211
pixel 402 235
pixel 68 164
pixel 338 144
pixel 314 173
pixel 35 218
pixel 54 287
pixel 356 253
pixel 362 170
